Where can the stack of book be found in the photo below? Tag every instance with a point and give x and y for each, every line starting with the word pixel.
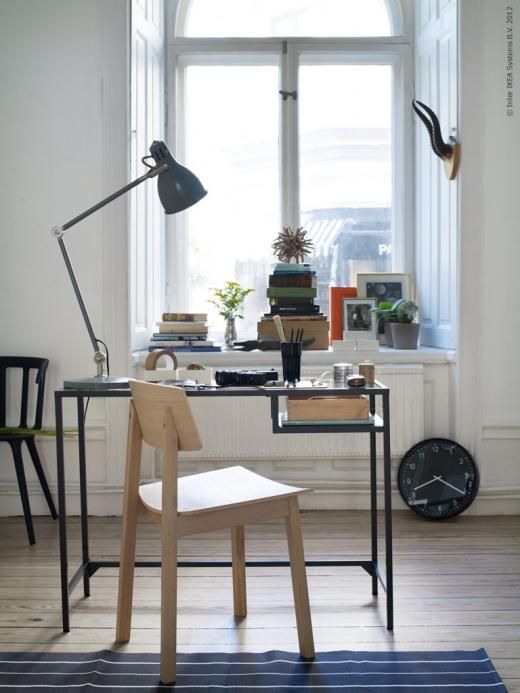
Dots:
pixel 291 293
pixel 183 332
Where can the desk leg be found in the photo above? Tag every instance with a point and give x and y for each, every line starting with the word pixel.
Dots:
pixel 83 495
pixel 373 507
pixel 388 514
pixel 62 513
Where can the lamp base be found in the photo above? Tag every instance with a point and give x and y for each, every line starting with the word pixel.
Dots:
pixel 98 382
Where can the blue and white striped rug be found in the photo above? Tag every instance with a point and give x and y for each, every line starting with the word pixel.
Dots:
pixel 355 671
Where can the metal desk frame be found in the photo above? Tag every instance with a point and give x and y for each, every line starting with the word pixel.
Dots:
pixel 379 425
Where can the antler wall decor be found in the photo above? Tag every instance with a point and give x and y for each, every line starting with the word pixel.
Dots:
pixel 448 152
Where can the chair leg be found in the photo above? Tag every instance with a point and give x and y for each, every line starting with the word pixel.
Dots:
pixel 126 571
pixel 299 580
pixel 239 572
pixel 41 476
pixel 129 532
pixel 168 606
pixel 16 447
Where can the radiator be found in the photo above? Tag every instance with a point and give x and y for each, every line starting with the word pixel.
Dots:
pixel 240 428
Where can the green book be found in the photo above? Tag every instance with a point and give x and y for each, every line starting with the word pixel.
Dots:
pixel 291 292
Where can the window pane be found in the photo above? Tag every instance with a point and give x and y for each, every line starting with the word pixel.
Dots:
pixel 287 18
pixel 232 127
pixel 346 170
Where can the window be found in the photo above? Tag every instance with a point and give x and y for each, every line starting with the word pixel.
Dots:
pixel 320 154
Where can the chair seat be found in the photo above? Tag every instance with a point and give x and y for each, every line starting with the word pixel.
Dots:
pixel 221 488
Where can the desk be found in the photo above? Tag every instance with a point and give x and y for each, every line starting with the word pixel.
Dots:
pixel 379 424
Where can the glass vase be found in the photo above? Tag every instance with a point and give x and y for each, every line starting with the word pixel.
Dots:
pixel 230 335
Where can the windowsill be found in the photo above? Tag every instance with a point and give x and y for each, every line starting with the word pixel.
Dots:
pixel 249 359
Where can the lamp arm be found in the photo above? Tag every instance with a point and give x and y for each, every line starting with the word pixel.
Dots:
pixel 58 232
pixel 79 297
pixel 155 171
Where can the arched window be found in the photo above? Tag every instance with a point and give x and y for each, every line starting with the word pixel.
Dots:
pixel 291 112
pixel 324 18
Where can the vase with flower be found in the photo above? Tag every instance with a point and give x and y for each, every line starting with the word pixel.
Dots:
pixel 229 301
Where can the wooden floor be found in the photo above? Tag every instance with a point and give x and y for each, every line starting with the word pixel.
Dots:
pixel 457 586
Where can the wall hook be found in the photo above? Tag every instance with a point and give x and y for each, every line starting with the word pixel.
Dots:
pixel 449 152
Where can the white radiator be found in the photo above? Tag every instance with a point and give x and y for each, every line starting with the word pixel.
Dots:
pixel 240 428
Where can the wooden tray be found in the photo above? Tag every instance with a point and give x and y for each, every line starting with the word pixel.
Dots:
pixel 327 407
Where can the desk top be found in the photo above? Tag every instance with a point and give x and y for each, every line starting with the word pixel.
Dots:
pixel 304 388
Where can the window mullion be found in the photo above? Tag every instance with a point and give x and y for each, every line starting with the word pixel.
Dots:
pixel 289 167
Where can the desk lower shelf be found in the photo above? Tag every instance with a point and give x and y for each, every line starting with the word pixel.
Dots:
pixel 283 425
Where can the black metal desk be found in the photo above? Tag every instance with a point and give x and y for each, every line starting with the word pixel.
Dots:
pixel 379 424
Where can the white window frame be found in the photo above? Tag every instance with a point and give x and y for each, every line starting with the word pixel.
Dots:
pixel 389 50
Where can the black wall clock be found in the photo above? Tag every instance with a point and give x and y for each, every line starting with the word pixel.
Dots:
pixel 438 478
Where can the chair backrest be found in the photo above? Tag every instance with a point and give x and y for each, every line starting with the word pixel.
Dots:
pixel 26 364
pixel 151 401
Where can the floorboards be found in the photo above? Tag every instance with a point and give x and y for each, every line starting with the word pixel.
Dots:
pixel 457 586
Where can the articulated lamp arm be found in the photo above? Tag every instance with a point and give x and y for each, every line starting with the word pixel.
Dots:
pixel 178 189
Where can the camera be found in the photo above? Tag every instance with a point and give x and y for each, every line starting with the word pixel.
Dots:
pixel 245 377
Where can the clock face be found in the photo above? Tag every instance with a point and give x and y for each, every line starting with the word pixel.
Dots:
pixel 438 478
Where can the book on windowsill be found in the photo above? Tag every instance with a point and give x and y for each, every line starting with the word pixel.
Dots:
pixel 181 336
pixel 192 348
pixel 291 292
pixel 180 343
pixel 295 311
pixel 292 267
pixel 293 279
pixel 184 317
pixel 186 327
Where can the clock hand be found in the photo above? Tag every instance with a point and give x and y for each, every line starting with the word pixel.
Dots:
pixel 439 478
pixel 426 483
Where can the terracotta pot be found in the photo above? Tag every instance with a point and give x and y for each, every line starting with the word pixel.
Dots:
pixel 405 335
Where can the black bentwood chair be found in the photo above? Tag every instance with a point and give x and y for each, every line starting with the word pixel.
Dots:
pixel 15 440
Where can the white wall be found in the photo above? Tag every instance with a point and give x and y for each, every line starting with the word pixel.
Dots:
pixel 63 138
pixel 488 411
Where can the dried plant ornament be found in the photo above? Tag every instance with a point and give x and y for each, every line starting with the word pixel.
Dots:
pixel 291 243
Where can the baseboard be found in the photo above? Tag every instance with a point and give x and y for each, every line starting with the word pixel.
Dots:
pixel 103 501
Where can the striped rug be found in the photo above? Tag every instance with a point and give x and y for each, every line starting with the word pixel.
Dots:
pixel 283 671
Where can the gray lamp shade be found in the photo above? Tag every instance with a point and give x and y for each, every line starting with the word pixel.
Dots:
pixel 178 187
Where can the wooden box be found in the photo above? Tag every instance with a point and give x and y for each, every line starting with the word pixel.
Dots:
pixel 327 408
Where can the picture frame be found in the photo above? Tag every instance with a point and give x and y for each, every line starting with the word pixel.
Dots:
pixel 336 296
pixel 384 286
pixel 359 322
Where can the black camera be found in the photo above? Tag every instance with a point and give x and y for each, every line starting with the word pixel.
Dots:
pixel 245 377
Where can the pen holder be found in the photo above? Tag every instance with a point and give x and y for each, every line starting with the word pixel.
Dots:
pixel 291 360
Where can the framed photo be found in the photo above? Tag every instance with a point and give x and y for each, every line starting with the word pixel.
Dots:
pixel 358 321
pixel 385 286
pixel 336 296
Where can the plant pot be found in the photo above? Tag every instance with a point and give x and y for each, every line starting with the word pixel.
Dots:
pixel 388 334
pixel 405 335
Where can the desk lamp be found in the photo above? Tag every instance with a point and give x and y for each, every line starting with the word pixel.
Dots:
pixel 178 189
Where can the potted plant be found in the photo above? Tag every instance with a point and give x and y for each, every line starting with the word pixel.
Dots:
pixel 229 301
pixel 385 315
pixel 405 329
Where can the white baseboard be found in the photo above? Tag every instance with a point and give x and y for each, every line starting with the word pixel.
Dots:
pixel 103 501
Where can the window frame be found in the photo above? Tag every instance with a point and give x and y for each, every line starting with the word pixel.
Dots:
pixel 389 50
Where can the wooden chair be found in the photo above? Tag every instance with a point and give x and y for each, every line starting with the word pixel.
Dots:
pixel 28 367
pixel 226 498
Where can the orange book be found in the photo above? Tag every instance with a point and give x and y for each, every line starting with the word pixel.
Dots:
pixel 336 296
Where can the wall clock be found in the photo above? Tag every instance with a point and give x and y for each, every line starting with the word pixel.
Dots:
pixel 438 478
